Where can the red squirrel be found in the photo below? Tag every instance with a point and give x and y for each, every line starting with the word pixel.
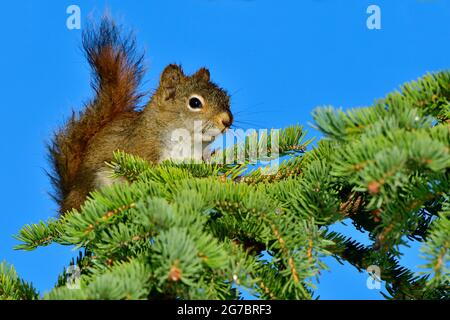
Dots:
pixel 112 120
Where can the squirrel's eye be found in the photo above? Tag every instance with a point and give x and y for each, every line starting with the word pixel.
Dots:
pixel 195 103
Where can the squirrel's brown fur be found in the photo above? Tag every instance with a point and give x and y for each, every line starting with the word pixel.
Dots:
pixel 111 122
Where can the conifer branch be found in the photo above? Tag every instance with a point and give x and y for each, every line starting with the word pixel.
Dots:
pixel 207 230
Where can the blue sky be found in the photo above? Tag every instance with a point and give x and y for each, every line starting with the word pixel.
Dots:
pixel 279 59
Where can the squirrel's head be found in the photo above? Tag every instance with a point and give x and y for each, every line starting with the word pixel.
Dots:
pixel 184 101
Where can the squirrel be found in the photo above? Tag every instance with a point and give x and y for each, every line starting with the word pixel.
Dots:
pixel 113 121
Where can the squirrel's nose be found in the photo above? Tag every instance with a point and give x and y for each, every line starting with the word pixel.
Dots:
pixel 225 119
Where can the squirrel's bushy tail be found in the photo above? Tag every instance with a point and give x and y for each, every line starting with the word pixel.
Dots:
pixel 117 70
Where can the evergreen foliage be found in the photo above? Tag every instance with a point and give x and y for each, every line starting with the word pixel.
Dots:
pixel 12 287
pixel 207 230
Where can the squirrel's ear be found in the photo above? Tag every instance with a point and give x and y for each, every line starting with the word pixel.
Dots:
pixel 203 75
pixel 171 77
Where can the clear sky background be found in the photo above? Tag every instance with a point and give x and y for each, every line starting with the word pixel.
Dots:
pixel 279 59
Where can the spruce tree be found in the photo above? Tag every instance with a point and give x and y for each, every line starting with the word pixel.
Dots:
pixel 208 230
